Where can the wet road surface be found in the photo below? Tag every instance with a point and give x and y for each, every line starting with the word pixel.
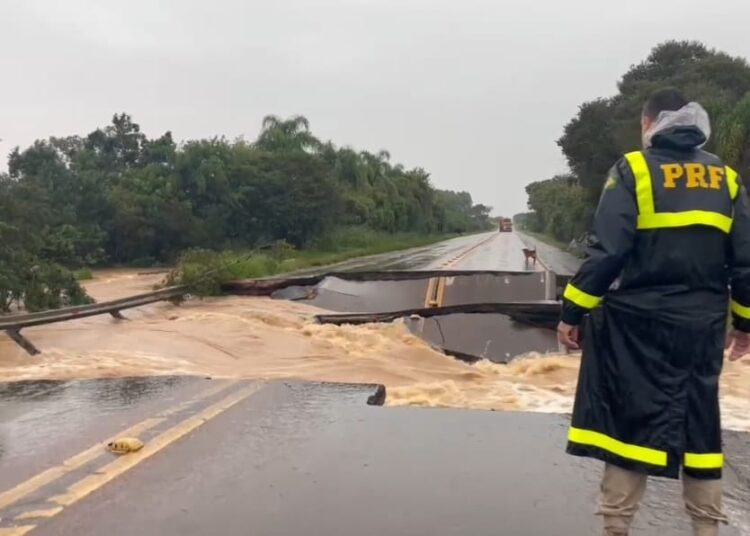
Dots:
pixel 283 458
pixel 561 262
pixel 492 336
pixel 488 336
pixel 492 250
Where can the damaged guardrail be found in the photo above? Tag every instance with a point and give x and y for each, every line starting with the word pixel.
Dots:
pixel 13 324
pixel 543 314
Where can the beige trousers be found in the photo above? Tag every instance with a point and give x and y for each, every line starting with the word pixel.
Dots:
pixel 622 492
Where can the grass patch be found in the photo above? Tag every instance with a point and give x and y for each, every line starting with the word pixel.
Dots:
pixel 83 274
pixel 204 271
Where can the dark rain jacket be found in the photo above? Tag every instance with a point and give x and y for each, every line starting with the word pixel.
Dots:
pixel 671 234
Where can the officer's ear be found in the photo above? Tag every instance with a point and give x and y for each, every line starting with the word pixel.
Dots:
pixel 646 123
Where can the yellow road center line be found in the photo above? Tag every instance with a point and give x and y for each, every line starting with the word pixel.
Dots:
pixel 430 292
pixel 435 292
pixel 48 476
pixel 207 393
pixel 49 512
pixel 435 295
pixel 441 292
pixel 17 531
pixel 109 472
pixel 44 478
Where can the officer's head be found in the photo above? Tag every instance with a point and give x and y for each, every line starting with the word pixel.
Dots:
pixel 663 100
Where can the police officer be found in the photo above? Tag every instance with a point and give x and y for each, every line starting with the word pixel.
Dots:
pixel 671 236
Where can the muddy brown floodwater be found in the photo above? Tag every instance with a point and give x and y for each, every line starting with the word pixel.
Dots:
pixel 264 338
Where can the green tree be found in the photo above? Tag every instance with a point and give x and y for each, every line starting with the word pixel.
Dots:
pixel 606 128
pixel 118 196
pixel 288 135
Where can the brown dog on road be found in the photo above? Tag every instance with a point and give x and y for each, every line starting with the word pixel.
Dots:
pixel 529 254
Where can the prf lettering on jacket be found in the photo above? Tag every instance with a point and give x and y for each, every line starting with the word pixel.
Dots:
pixel 692 175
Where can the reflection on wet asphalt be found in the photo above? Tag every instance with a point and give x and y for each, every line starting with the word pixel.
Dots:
pixel 422 258
pixel 560 262
pixel 314 459
pixel 380 296
pixel 486 251
pixel 37 417
pixel 490 289
pixel 369 297
pixel 494 337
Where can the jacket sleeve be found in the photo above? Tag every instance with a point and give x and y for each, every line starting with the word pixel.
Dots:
pixel 740 260
pixel 613 234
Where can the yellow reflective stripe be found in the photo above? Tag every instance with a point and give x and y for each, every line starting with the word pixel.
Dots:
pixel 704 461
pixel 683 219
pixel 740 310
pixel 644 192
pixel 581 298
pixel 648 218
pixel 732 182
pixel 624 450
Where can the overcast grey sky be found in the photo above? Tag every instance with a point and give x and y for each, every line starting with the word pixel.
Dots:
pixel 474 91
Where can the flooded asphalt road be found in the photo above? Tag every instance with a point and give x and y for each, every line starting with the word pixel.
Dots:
pixel 430 257
pixel 286 458
pixel 280 457
pixel 562 263
pixel 492 336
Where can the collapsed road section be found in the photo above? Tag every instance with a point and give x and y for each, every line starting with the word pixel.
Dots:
pixel 471 314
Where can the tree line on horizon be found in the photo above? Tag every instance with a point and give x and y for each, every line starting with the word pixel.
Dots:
pixel 606 128
pixel 117 197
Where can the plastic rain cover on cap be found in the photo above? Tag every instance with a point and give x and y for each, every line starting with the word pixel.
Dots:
pixel 690 115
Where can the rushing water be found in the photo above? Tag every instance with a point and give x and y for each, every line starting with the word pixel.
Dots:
pixel 264 338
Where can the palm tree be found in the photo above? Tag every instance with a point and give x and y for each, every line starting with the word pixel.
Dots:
pixel 285 135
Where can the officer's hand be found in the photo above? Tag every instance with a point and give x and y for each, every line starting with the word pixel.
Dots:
pixel 567 335
pixel 739 342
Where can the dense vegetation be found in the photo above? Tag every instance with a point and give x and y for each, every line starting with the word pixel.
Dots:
pixel 119 197
pixel 606 128
pixel 203 271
